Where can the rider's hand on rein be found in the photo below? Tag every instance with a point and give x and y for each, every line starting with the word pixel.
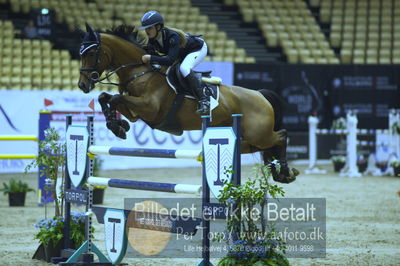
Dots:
pixel 146 58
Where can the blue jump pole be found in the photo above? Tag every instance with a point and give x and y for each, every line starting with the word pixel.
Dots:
pixel 141 152
pixel 142 185
pixel 205 253
pixel 44 123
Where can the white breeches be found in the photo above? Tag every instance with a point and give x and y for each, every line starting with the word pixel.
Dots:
pixel 192 60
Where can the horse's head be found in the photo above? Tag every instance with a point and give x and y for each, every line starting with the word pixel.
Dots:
pixel 92 65
pixel 119 50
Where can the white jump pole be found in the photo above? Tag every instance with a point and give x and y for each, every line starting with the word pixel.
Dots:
pixel 351 139
pixel 394 137
pixel 394 140
pixel 312 147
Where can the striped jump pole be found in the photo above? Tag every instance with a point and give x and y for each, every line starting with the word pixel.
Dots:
pixel 152 153
pixel 17 156
pixel 142 185
pixel 18 137
pixel 80 145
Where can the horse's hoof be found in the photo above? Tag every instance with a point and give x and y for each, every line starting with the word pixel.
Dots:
pixel 285 175
pixel 121 133
pixel 284 179
pixel 294 172
pixel 116 129
pixel 124 124
pixel 292 176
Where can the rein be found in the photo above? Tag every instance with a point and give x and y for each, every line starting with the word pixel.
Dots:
pixel 94 76
pixel 114 71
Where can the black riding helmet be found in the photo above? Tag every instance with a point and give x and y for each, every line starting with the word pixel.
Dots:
pixel 151 18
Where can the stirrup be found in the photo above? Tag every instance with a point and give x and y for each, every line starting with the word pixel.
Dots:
pixel 204 107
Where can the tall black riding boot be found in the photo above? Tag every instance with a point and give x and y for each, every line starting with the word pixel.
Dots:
pixel 195 86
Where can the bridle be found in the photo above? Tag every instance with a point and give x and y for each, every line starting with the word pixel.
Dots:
pixel 94 76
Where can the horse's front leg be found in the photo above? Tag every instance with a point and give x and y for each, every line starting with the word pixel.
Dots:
pixel 104 98
pixel 135 106
pixel 118 126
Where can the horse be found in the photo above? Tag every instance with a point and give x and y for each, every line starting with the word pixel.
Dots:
pixel 145 94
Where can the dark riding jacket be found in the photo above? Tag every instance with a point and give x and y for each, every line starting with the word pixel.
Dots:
pixel 171 47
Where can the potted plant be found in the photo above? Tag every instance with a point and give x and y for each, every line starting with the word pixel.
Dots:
pixel 362 164
pixel 98 194
pixel 244 248
pixel 382 165
pixel 339 162
pixel 396 128
pixel 51 235
pixel 339 123
pixel 396 167
pixel 51 155
pixel 16 191
pixel 98 191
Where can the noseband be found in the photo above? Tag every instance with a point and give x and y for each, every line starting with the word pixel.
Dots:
pixel 94 76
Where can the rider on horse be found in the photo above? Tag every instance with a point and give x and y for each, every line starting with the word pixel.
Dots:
pixel 175 44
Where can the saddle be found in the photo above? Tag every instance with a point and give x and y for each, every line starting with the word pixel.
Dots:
pixel 177 82
pixel 179 85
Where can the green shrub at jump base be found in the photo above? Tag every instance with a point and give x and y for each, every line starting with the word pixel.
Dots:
pixel 243 247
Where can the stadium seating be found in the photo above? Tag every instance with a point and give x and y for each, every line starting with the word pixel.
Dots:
pixel 103 14
pixel 359 32
pixel 290 25
pixel 33 64
pixel 365 31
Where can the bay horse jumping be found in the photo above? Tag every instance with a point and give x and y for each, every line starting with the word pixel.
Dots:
pixel 145 94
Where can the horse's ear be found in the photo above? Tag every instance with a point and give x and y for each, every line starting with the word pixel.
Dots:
pixel 92 35
pixel 88 28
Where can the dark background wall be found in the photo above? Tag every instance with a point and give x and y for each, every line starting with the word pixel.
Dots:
pixel 327 90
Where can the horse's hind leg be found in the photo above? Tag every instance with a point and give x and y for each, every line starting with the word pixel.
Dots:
pixel 118 126
pixel 278 152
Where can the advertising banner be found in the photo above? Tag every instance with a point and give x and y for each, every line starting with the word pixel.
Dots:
pixel 327 91
pixel 370 90
pixel 19 115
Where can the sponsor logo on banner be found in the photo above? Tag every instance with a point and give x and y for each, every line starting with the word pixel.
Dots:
pixel 8 119
pixel 77 139
pixel 114 232
pixel 219 149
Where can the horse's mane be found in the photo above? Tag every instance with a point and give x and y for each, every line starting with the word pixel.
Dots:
pixel 128 33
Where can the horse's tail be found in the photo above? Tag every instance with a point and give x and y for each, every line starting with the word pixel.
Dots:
pixel 278 105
